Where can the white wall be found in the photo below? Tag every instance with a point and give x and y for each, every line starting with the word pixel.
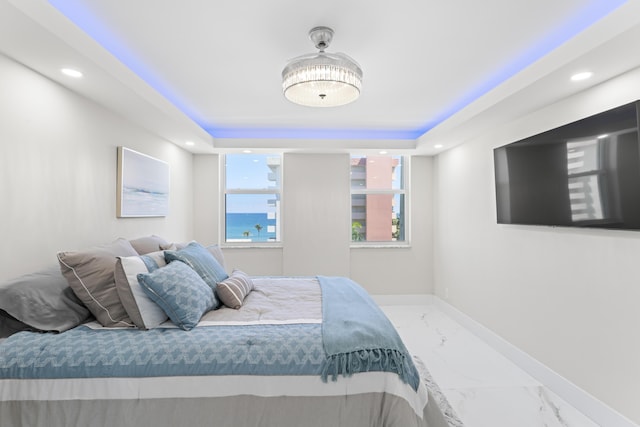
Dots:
pixel 316 221
pixel 205 202
pixel 567 297
pixel 316 228
pixel 58 162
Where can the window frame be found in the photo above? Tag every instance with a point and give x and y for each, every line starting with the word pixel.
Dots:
pixel 224 191
pixel 405 191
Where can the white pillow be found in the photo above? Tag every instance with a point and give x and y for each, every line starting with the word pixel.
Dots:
pixel 142 311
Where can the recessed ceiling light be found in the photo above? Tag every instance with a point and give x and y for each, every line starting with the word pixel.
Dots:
pixel 437 146
pixel 190 143
pixel 383 152
pixel 581 76
pixel 71 72
pixel 246 151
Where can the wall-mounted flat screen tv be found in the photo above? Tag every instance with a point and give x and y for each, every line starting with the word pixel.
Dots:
pixel 583 174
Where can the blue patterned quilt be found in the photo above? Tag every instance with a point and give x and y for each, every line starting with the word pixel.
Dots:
pixel 211 350
pixel 327 349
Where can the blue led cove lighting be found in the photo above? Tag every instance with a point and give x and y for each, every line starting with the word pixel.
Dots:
pixel 284 133
pixel 591 12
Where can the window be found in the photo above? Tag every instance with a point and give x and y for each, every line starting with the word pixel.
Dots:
pixel 586 177
pixel 252 198
pixel 378 199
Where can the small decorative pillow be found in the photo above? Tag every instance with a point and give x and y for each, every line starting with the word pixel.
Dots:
pixel 144 313
pixel 90 275
pixel 180 292
pixel 233 290
pixel 200 259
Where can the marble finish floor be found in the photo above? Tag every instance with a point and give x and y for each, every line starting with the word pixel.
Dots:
pixel 484 388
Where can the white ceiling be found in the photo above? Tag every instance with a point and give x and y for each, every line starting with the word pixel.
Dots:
pixel 434 71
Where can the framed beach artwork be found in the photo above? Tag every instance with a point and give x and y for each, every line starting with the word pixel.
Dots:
pixel 143 185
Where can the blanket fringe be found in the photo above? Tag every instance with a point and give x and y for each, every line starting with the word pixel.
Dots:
pixel 347 364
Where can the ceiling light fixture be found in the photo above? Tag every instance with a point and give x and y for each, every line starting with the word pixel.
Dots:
pixel 71 72
pixel 322 79
pixel 581 76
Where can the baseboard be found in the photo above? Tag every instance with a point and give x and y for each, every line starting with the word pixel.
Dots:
pixel 598 411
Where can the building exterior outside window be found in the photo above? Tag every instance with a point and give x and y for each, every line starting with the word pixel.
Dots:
pixel 252 193
pixel 378 199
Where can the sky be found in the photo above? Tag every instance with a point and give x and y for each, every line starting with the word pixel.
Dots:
pixel 144 173
pixel 248 171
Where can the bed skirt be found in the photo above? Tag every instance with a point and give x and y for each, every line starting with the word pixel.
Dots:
pixel 221 402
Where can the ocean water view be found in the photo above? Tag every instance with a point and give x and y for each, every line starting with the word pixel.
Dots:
pixel 139 202
pixel 242 227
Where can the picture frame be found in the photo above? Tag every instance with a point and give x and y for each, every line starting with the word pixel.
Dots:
pixel 143 185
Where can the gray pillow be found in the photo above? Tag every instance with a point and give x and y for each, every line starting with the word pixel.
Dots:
pixel 43 301
pixel 90 274
pixel 9 325
pixel 148 244
pixel 216 251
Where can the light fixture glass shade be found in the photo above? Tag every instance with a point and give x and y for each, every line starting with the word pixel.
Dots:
pixel 322 79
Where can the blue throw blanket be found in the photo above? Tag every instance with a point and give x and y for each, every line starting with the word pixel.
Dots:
pixel 357 336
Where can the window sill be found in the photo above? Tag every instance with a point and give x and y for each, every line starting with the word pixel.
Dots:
pixel 251 246
pixel 381 246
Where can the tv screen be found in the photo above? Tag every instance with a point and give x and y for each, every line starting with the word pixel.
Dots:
pixel 583 174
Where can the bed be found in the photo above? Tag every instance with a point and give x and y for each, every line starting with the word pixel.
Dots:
pixel 279 351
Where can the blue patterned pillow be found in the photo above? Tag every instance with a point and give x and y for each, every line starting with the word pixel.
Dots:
pixel 200 259
pixel 180 292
